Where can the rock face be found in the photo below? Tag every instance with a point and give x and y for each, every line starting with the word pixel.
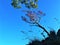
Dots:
pixel 53 39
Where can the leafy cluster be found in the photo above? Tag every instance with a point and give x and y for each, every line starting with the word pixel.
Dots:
pixel 34 16
pixel 34 19
pixel 27 3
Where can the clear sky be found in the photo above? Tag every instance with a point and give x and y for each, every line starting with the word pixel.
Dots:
pixel 11 23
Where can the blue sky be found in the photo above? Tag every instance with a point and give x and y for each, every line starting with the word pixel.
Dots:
pixel 11 23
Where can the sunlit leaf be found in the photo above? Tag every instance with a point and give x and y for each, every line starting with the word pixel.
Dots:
pixel 36 0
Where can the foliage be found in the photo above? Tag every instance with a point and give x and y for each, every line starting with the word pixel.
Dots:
pixel 27 3
pixel 54 39
pixel 34 17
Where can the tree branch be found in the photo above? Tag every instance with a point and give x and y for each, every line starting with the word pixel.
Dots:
pixel 42 28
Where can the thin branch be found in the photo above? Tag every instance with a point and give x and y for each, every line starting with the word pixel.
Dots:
pixel 42 28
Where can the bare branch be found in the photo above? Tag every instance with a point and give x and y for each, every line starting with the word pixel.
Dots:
pixel 42 28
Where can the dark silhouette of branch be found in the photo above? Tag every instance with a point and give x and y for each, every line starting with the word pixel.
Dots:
pixel 42 28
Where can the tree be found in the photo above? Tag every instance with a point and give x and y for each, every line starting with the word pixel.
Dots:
pixel 34 18
pixel 51 40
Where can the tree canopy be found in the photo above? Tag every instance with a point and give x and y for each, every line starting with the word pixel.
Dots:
pixel 27 3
